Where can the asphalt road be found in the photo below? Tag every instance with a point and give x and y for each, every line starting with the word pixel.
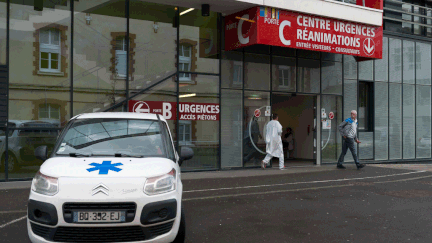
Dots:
pixel 371 205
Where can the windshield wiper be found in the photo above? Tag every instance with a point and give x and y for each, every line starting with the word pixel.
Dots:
pixel 79 155
pixel 107 155
pixel 128 155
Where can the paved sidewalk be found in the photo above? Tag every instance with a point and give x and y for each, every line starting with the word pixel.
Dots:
pixel 213 174
pixel 257 172
pixel 296 169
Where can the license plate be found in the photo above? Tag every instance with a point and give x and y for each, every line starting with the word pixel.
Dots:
pixel 99 216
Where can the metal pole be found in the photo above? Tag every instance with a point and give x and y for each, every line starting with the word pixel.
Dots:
pixel 220 89
pixel 177 22
pixel 7 91
pixel 127 56
pixel 71 90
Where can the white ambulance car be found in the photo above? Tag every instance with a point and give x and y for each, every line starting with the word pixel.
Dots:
pixel 112 177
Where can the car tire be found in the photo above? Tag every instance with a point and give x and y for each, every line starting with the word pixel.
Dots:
pixel 12 162
pixel 181 234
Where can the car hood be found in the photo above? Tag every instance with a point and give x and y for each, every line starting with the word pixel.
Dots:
pixel 106 167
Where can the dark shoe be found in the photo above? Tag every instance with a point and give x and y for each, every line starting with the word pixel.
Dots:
pixel 339 166
pixel 359 166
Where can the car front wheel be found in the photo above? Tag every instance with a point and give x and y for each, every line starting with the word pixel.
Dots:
pixel 181 234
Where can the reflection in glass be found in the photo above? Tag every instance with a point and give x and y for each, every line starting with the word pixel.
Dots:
pixel 330 138
pixel 199 37
pixel 308 76
pixel 202 135
pixel 423 121
pixel 331 81
pixel 232 70
pixel 231 128
pixel 326 56
pixel 395 60
pixel 39 79
pixel 408 62
pixel 350 67
pixel 257 72
pixel 254 146
pixel 395 122
pixel 408 121
pixel 366 70
pixel 423 63
pixel 381 65
pixel 23 138
pixel 163 92
pixel 153 49
pixel 381 121
pixel 284 74
pixel 99 67
pixel 3 20
pixel 365 151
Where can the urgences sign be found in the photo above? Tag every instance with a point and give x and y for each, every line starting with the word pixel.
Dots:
pixel 270 26
pixel 188 111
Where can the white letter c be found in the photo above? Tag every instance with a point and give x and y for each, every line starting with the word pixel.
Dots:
pixel 239 30
pixel 281 30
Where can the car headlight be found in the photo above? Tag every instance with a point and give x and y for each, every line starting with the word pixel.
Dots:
pixel 45 184
pixel 161 184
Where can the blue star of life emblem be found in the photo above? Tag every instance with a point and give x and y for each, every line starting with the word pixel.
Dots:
pixel 105 167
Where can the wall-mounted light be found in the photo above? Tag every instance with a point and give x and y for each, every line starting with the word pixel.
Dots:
pixel 254 97
pixel 205 10
pixel 155 26
pixel 88 18
pixel 187 95
pixel 186 11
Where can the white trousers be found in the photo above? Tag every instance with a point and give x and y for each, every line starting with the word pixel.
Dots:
pixel 269 157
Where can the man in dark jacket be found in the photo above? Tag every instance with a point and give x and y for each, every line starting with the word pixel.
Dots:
pixel 348 130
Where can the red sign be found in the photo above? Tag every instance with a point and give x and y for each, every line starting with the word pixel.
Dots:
pixel 331 115
pixel 257 113
pixel 378 4
pixel 270 26
pixel 188 111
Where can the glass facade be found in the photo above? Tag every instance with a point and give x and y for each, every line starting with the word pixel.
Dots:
pixel 97 56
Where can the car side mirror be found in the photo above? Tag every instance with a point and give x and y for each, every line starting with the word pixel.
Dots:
pixel 41 153
pixel 186 153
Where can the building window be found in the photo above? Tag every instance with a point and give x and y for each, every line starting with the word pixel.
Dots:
pixel 365 112
pixel 49 50
pixel 237 73
pixel 48 111
pixel 119 55
pixel 185 132
pixel 121 52
pixel 185 62
pixel 284 76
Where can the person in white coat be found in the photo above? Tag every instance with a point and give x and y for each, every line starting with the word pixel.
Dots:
pixel 273 141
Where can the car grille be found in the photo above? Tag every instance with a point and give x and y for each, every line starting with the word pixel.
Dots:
pixel 40 230
pixel 99 206
pixel 99 234
pixel 160 229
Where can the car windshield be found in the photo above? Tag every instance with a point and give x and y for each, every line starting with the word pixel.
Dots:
pixel 102 136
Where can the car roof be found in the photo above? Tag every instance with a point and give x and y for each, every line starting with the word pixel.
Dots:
pixel 126 115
